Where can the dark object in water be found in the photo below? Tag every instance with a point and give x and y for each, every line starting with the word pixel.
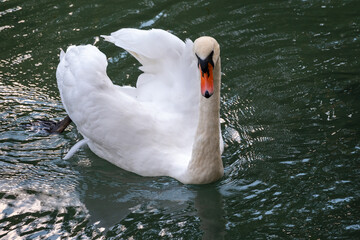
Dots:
pixel 51 126
pixel 60 126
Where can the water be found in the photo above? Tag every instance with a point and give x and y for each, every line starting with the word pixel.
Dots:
pixel 290 110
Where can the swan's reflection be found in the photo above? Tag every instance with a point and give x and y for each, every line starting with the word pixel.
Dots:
pixel 209 206
pixel 111 195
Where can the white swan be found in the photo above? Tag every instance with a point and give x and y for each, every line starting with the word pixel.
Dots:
pixel 168 125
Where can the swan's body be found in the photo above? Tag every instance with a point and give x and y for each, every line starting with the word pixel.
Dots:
pixel 163 127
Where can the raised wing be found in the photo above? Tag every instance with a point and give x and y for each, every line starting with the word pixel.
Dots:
pixel 169 65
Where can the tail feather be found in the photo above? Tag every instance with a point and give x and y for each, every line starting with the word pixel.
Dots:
pixel 62 54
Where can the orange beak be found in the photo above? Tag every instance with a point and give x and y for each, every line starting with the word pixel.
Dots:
pixel 207 81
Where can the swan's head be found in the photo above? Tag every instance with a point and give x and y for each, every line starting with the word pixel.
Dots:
pixel 207 51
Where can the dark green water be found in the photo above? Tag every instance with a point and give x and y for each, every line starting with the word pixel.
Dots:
pixel 290 110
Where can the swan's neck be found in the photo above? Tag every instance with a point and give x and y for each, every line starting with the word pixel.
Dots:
pixel 206 165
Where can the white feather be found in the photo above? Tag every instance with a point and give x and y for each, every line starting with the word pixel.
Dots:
pixel 74 148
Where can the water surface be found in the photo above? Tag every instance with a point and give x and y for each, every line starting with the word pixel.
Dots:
pixel 290 110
